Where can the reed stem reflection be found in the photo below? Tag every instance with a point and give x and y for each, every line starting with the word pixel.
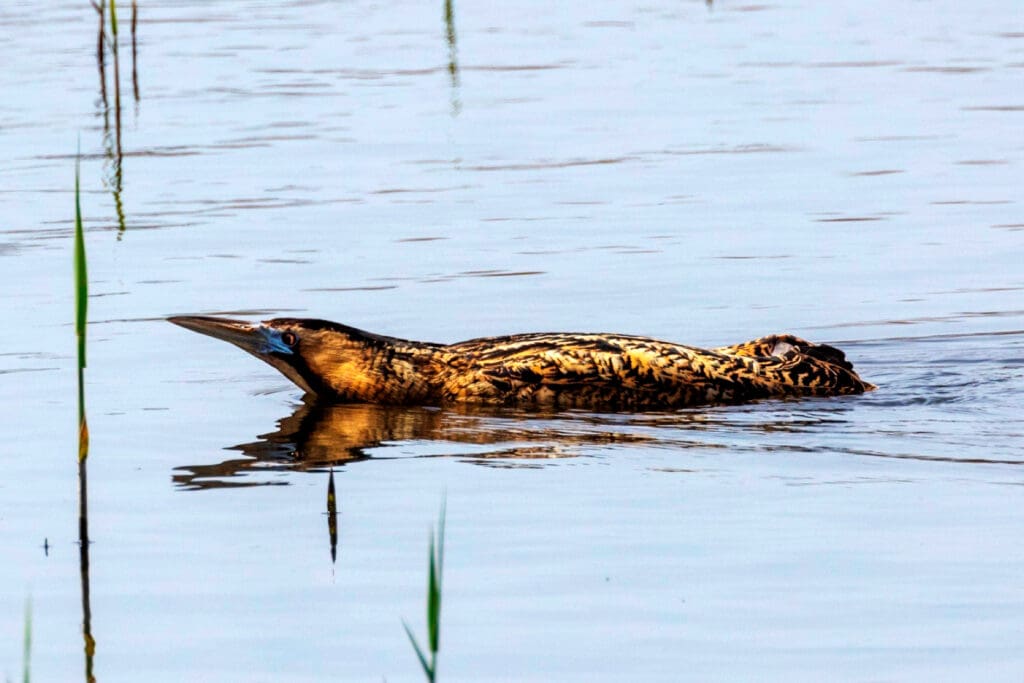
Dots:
pixel 453 55
pixel 83 564
pixel 332 517
pixel 112 146
pixel 101 42
pixel 135 51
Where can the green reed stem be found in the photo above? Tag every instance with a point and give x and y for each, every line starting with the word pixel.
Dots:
pixel 81 274
pixel 81 311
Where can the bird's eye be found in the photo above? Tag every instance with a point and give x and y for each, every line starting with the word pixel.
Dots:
pixel 289 339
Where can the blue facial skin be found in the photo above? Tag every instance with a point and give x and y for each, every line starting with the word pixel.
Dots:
pixel 272 341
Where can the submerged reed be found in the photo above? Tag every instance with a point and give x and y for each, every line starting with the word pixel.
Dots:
pixel 435 571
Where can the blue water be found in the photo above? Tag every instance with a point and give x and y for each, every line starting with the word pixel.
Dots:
pixel 844 172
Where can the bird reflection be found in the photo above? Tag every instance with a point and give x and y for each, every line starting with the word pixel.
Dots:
pixel 318 436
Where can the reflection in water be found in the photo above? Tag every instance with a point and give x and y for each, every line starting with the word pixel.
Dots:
pixel 135 53
pixel 320 436
pixel 453 55
pixel 83 565
pixel 114 178
pixel 101 42
pixel 332 517
pixel 317 436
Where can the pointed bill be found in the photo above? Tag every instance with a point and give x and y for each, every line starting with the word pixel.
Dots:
pixel 238 332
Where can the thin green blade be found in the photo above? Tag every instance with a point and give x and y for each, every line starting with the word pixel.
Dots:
pixel 433 600
pixel 419 653
pixel 440 539
pixel 436 571
pixel 81 274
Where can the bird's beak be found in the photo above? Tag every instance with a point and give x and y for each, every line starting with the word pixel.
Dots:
pixel 244 335
pixel 261 341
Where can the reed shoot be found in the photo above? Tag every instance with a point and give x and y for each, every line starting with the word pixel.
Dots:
pixel 26 658
pixel 81 311
pixel 435 572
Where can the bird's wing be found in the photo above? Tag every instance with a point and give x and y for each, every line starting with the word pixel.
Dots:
pixel 647 370
pixel 494 370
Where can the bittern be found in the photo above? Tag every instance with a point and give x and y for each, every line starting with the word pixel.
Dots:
pixel 602 372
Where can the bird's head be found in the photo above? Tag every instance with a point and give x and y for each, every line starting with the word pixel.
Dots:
pixel 321 357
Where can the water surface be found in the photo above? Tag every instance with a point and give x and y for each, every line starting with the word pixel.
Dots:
pixel 704 174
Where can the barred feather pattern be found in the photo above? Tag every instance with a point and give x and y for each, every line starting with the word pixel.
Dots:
pixel 601 371
pixel 558 370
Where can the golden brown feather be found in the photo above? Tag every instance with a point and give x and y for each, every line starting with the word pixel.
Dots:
pixel 588 371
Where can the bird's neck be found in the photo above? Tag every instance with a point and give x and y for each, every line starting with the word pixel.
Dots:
pixel 379 371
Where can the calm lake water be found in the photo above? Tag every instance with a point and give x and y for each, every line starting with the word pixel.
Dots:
pixel 847 172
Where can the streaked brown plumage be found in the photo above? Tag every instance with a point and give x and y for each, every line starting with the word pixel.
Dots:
pixel 588 371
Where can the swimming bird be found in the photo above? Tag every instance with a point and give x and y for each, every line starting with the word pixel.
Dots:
pixel 603 372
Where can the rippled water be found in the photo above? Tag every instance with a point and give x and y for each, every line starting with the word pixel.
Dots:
pixel 700 172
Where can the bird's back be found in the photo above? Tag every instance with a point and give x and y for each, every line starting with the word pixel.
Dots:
pixel 607 371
